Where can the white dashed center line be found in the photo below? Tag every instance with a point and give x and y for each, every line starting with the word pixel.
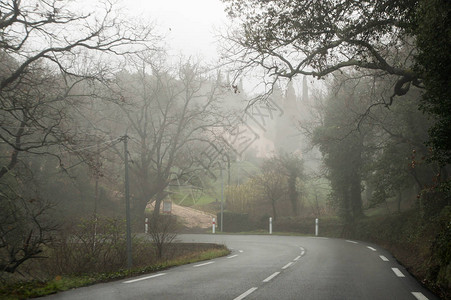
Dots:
pixel 420 296
pixel 383 258
pixel 271 277
pixel 204 264
pixel 302 251
pixel 349 241
pixel 297 258
pixel 144 278
pixel 287 265
pixel 232 256
pixel 398 272
pixel 371 248
pixel 245 294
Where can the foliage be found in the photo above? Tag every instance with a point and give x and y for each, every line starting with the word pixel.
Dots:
pixel 41 70
pixel 163 231
pixel 272 185
pixel 440 270
pixel 26 227
pixel 29 289
pixel 95 243
pixel 287 38
pixel 241 198
pixel 292 166
pixel 234 221
pixel 398 166
pixel 279 180
pixel 407 41
pixel 434 64
pixel 168 110
pixel 344 147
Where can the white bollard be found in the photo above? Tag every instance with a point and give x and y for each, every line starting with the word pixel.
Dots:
pixel 214 225
pixel 146 225
pixel 316 226
pixel 270 225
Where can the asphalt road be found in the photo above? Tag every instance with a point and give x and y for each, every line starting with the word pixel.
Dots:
pixel 271 267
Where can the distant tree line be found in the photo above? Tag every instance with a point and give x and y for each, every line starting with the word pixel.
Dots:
pixel 385 63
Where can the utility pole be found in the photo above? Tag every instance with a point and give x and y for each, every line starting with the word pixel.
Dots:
pixel 96 199
pixel 127 207
pixel 222 200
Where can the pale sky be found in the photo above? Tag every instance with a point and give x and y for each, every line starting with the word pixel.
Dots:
pixel 187 24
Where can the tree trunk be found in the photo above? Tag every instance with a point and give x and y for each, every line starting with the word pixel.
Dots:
pixel 399 200
pixel 156 210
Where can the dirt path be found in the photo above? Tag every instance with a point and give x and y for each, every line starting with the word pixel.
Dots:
pixel 190 217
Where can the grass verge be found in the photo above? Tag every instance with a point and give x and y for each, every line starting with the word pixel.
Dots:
pixel 31 289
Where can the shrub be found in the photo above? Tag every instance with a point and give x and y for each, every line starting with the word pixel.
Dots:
pixel 95 243
pixel 163 230
pixel 235 222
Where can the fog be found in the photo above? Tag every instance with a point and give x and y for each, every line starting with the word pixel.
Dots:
pixel 227 107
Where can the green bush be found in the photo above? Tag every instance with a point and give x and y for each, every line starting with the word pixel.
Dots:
pixel 327 226
pixel 440 270
pixel 235 222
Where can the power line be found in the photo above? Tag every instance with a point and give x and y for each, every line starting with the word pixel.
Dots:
pixel 92 146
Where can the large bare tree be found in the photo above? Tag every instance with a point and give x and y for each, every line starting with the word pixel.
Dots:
pixel 47 48
pixel 287 38
pixel 51 53
pixel 169 110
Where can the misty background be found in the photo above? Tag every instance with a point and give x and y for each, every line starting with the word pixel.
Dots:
pixel 221 110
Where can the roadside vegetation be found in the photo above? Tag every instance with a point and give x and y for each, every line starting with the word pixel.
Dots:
pixel 353 127
pixel 94 251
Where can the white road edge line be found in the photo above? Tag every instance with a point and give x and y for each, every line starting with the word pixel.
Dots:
pixel 297 258
pixel 419 296
pixel 232 256
pixel 245 294
pixel 349 241
pixel 302 253
pixel 371 248
pixel 383 258
pixel 287 265
pixel 144 278
pixel 271 277
pixel 398 272
pixel 204 264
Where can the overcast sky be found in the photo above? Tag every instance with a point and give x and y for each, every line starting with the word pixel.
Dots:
pixel 188 24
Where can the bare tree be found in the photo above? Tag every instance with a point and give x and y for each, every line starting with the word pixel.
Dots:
pixel 25 226
pixel 287 38
pixel 47 48
pixel 163 231
pixel 272 184
pixel 51 55
pixel 169 110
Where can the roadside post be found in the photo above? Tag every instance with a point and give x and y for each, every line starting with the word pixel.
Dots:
pixel 213 225
pixel 127 207
pixel 146 225
pixel 270 225
pixel 316 226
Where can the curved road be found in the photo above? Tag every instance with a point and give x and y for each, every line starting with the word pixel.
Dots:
pixel 271 267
